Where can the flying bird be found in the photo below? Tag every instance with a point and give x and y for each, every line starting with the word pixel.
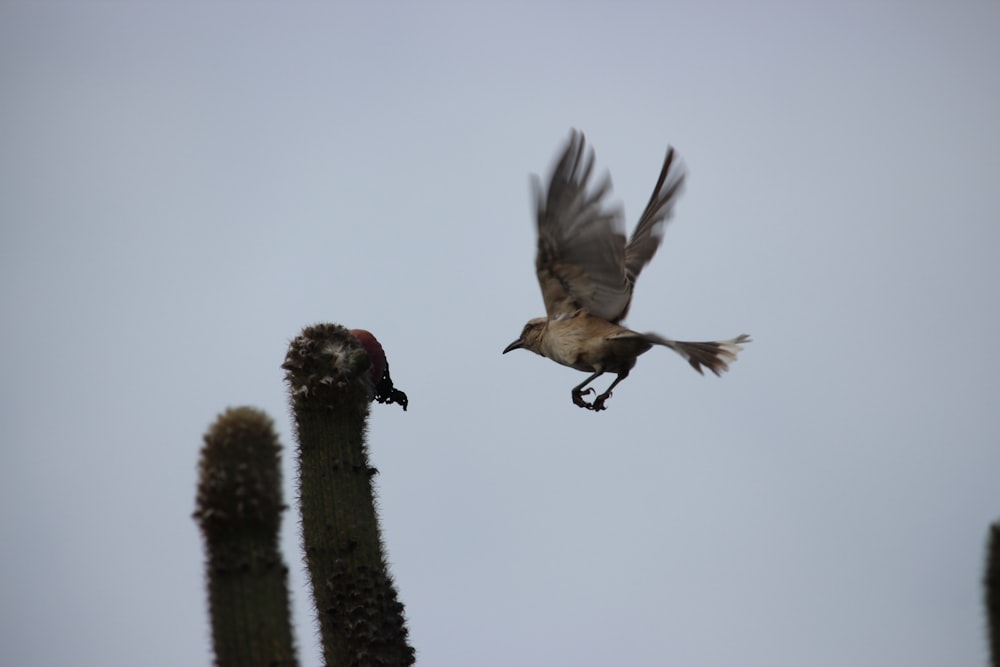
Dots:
pixel 587 270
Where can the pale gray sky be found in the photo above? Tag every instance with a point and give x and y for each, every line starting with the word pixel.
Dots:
pixel 184 186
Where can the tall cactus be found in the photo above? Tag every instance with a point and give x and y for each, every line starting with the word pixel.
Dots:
pixel 238 508
pixel 332 381
pixel 991 583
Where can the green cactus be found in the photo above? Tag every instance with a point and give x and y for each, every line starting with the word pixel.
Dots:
pixel 239 508
pixel 991 582
pixel 331 387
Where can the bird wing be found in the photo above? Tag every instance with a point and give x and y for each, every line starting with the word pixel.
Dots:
pixel 581 241
pixel 649 232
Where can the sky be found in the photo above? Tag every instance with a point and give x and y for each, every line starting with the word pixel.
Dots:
pixel 185 186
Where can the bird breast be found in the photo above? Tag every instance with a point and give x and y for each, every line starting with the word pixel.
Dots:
pixel 581 342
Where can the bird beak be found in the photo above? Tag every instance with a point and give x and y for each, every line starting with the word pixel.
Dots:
pixel 516 345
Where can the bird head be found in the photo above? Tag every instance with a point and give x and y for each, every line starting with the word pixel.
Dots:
pixel 531 336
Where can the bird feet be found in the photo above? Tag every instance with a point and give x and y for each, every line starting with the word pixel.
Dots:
pixel 598 403
pixel 578 398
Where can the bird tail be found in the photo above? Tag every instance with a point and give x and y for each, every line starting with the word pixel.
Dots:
pixel 715 355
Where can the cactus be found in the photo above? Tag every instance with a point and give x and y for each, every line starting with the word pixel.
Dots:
pixel 238 508
pixel 991 584
pixel 331 384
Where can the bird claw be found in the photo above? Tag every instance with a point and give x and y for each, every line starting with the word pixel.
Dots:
pixel 598 403
pixel 578 398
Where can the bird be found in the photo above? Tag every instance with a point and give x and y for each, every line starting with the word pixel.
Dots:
pixel 587 270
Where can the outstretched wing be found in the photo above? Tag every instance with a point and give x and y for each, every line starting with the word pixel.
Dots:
pixel 649 232
pixel 581 241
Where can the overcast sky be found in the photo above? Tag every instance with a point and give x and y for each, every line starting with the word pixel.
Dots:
pixel 184 186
